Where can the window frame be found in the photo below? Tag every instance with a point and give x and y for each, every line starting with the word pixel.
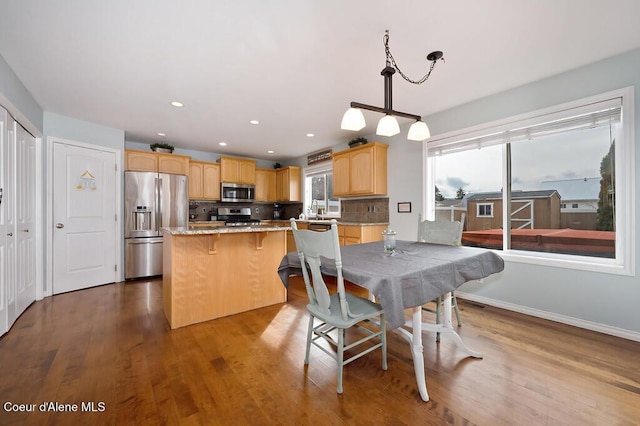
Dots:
pixel 478 205
pixel 624 262
pixel 309 171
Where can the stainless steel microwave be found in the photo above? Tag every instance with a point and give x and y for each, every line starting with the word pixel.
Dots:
pixel 237 193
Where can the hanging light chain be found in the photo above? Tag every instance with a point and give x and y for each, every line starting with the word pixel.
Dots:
pixel 390 59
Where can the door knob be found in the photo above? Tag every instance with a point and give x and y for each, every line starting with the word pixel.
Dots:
pixel 10 234
pixel 59 225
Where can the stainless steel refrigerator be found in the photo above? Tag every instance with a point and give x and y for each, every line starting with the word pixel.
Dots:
pixel 151 201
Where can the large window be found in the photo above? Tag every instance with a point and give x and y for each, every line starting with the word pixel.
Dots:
pixel 515 179
pixel 318 192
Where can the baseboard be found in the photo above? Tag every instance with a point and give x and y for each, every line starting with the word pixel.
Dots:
pixel 563 319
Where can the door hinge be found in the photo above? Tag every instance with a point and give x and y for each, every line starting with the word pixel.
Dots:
pixel 115 217
pixel 115 166
pixel 115 268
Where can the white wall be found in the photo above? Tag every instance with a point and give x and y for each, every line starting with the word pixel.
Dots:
pixel 205 156
pixel 82 131
pixel 608 303
pixel 16 99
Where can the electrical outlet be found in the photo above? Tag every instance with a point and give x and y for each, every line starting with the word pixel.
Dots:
pixel 204 210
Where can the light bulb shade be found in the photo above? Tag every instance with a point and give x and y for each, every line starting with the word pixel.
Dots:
pixel 353 119
pixel 419 131
pixel 388 126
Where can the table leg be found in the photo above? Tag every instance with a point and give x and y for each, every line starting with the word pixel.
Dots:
pixel 447 327
pixel 415 341
pixel 418 353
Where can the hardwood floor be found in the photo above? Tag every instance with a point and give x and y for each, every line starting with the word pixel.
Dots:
pixel 112 345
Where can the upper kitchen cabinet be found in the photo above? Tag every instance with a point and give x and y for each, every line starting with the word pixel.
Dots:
pixel 360 171
pixel 288 184
pixel 204 181
pixel 143 161
pixel 265 185
pixel 237 170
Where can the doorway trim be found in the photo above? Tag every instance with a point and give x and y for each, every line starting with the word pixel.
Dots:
pixel 48 287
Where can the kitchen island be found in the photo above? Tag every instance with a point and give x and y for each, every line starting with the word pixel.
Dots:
pixel 212 272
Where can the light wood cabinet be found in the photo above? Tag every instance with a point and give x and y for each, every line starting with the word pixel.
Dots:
pixel 195 180
pixel 288 184
pixel 360 171
pixel 211 181
pixel 174 164
pixel 202 280
pixel 265 185
pixel 237 170
pixel 291 242
pixel 341 174
pixel 357 234
pixel 204 181
pixel 143 161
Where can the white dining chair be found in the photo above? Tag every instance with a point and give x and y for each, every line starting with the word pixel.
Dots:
pixel 441 232
pixel 336 312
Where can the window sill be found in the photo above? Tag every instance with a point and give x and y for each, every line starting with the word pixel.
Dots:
pixel 582 263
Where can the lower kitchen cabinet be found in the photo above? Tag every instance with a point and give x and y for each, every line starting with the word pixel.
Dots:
pixel 291 242
pixel 358 234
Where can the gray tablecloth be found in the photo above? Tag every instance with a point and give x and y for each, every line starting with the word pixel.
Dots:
pixel 415 275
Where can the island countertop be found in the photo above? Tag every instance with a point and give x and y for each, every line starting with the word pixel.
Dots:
pixel 207 230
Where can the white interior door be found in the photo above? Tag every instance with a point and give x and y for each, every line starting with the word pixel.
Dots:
pixel 25 218
pixel 9 219
pixel 84 216
pixel 4 228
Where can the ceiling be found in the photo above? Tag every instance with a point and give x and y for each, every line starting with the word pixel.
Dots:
pixel 293 65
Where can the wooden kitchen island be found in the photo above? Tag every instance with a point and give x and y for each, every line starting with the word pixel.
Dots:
pixel 212 272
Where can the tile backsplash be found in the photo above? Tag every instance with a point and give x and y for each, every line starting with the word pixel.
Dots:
pixel 369 210
pixel 263 211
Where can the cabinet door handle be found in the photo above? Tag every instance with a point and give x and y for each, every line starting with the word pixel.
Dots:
pixel 25 230
pixel 10 234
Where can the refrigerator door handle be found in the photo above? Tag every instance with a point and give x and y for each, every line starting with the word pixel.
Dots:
pixel 160 203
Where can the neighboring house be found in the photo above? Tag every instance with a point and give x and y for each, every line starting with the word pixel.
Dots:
pixel 452 210
pixel 578 201
pixel 529 210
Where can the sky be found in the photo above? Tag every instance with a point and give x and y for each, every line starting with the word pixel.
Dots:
pixel 577 154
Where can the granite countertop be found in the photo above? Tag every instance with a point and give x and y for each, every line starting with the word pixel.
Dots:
pixel 340 222
pixel 207 230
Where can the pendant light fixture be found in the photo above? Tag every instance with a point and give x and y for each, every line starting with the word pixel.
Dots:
pixel 388 125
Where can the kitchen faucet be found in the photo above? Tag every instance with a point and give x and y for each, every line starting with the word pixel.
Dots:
pixel 314 207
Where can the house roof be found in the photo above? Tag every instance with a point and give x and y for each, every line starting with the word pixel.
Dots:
pixel 515 195
pixel 575 189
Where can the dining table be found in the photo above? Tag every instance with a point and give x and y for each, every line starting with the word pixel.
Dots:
pixel 410 276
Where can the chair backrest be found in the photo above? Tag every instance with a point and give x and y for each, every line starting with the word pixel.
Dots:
pixel 311 246
pixel 440 231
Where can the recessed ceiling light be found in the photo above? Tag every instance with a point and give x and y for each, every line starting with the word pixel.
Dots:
pixel 222 143
pixel 310 135
pixel 161 134
pixel 177 104
pixel 254 122
pixel 270 151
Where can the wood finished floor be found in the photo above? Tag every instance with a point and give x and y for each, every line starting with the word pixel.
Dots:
pixel 112 344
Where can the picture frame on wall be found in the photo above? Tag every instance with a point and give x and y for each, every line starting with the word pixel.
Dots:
pixel 404 207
